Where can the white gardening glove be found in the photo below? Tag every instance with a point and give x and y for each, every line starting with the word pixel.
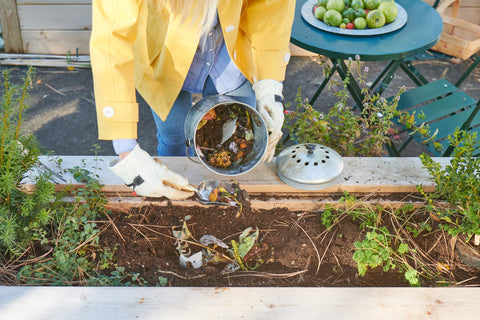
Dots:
pixel 269 104
pixel 145 175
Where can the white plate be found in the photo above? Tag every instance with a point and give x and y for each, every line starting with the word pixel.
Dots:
pixel 307 14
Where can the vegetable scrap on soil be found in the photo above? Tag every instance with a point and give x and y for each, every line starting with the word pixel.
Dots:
pixel 230 194
pixel 224 136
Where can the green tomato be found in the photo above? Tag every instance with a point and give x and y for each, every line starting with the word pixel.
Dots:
pixel 337 5
pixel 375 19
pixel 322 3
pixel 349 13
pixel 360 23
pixel 390 11
pixel 360 13
pixel 357 4
pixel 371 4
pixel 320 12
pixel 332 18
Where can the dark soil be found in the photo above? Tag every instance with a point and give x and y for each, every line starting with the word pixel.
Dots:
pixel 297 249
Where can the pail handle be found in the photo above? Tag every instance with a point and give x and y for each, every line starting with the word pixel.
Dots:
pixel 192 159
pixel 188 145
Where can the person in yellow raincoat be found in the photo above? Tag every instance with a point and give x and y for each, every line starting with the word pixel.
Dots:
pixel 170 49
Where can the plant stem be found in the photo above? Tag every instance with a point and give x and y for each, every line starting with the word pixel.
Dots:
pixel 26 84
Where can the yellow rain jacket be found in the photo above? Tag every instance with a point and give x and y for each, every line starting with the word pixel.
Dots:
pixel 135 44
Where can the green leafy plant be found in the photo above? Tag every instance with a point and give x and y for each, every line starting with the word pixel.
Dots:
pixel 421 130
pixel 377 250
pixel 368 215
pixel 75 255
pixel 54 241
pixel 344 129
pixel 352 132
pixel 458 184
pixel 391 248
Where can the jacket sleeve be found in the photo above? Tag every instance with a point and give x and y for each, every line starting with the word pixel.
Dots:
pixel 268 24
pixel 114 29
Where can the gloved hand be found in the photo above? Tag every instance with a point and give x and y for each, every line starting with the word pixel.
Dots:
pixel 269 104
pixel 146 175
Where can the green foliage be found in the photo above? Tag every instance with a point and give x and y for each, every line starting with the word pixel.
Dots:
pixel 24 214
pixel 76 257
pixel 368 215
pixel 414 228
pixel 57 239
pixel 373 251
pixel 348 132
pixel 378 250
pixel 458 184
pixel 328 217
pixel 413 122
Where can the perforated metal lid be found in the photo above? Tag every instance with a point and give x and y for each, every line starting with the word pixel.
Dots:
pixel 309 166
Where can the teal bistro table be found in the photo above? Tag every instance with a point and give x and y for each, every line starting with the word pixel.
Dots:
pixel 420 32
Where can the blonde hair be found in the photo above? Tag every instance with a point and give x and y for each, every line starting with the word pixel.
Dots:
pixel 205 10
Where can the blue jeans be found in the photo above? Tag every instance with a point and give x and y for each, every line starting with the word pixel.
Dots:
pixel 171 133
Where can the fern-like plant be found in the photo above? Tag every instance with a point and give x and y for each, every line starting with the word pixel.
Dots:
pixel 23 213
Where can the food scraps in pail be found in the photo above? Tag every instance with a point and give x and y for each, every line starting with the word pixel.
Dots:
pixel 224 136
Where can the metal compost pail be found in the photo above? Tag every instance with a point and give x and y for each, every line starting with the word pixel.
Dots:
pixel 260 134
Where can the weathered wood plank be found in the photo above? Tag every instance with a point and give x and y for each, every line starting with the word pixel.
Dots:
pixel 292 203
pixel 10 24
pixel 80 58
pixel 39 60
pixel 56 41
pixel 56 17
pixel 238 303
pixel 47 2
pixel 43 63
pixel 360 175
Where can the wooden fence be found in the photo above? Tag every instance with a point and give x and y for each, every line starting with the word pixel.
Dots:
pixel 62 26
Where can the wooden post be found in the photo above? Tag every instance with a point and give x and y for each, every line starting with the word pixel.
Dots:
pixel 10 26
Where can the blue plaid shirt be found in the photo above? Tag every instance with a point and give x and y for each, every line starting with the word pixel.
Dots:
pixel 212 59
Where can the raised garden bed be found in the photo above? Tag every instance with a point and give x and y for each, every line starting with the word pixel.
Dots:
pixel 298 251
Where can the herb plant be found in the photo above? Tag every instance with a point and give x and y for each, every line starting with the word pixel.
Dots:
pixel 458 185
pixel 377 249
pixel 344 129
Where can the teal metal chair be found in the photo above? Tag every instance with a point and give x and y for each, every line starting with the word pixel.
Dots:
pixel 444 108
pixel 442 105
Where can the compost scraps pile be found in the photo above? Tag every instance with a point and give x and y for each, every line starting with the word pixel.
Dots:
pixel 229 193
pixel 224 136
pixel 246 254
